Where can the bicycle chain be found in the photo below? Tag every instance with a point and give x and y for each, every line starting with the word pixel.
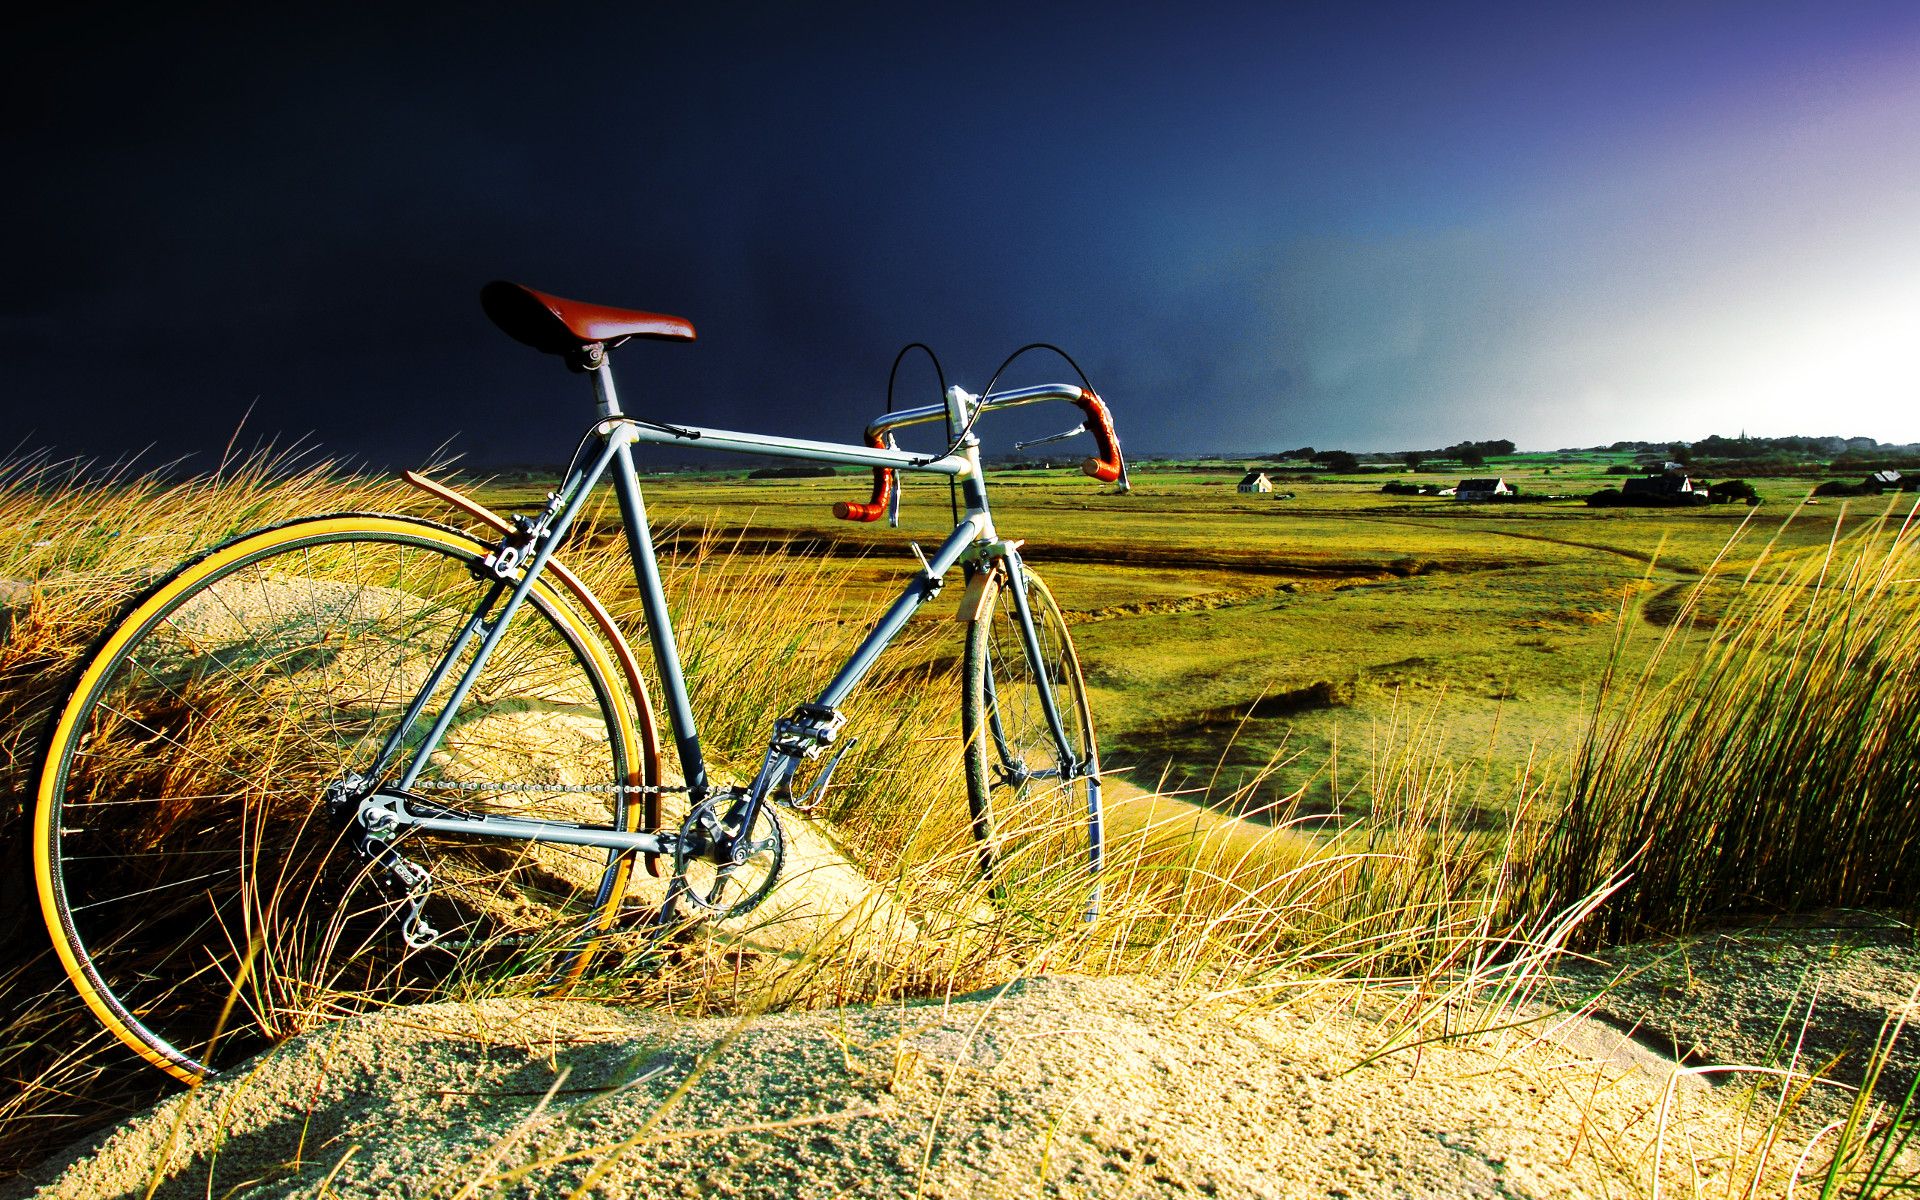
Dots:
pixel 481 785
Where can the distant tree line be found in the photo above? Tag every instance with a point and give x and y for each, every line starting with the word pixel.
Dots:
pixel 791 473
pixel 1730 491
pixel 1480 450
pixel 1773 455
pixel 1469 454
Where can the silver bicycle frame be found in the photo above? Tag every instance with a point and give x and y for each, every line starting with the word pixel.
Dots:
pixel 794 740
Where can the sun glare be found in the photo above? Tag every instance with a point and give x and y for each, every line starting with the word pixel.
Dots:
pixel 1846 365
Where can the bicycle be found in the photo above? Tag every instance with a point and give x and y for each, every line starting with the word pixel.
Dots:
pixel 328 758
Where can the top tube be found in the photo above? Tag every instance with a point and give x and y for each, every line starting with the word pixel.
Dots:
pixel 734 441
pixel 739 442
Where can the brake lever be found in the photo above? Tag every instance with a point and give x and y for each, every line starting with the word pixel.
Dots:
pixel 1076 431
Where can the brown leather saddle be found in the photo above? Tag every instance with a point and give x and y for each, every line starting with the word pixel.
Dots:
pixel 574 329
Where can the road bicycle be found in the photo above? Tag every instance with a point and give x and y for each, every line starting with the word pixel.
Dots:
pixel 318 765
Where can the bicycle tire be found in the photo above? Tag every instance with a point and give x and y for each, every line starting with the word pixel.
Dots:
pixel 198 892
pixel 1036 821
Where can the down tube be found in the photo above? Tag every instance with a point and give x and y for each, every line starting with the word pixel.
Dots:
pixel 919 590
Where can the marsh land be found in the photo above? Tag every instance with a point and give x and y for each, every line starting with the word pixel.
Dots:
pixel 1411 674
pixel 1270 642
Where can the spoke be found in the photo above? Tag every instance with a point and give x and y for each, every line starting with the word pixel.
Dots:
pixel 134 856
pixel 91 804
pixel 196 776
pixel 154 890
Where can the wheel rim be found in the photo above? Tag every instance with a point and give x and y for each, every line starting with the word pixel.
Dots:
pixel 188 856
pixel 1035 816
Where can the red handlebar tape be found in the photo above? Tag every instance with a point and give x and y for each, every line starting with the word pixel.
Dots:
pixel 883 485
pixel 1106 467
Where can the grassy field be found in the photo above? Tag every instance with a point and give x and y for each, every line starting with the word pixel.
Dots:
pixel 1221 631
pixel 1516 706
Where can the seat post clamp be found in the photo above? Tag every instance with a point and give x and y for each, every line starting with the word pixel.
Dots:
pixel 588 357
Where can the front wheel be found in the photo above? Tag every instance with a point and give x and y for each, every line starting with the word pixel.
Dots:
pixel 193 837
pixel 1033 770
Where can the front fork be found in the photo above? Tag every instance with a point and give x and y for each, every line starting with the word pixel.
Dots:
pixel 1010 572
pixel 1007 561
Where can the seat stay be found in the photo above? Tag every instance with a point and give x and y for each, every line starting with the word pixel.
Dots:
pixel 457 644
pixel 545 537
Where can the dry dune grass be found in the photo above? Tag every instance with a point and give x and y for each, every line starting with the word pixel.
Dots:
pixel 1416 916
pixel 1766 757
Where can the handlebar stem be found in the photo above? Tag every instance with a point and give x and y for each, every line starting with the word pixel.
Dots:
pixel 961 406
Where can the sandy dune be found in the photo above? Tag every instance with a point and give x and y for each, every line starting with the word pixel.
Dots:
pixel 1052 1086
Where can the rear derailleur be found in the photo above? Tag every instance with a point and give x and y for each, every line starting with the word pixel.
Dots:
pixel 370 832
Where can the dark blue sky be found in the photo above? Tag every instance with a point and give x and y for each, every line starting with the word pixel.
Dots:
pixel 1256 226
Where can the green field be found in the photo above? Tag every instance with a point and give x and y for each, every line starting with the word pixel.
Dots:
pixel 1403 659
pixel 1222 632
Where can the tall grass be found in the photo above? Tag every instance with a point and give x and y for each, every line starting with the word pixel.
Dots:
pixel 1759 762
pixel 78 541
pixel 1216 903
pixel 1765 760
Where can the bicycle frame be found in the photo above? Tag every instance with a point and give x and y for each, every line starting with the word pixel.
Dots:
pixel 520 557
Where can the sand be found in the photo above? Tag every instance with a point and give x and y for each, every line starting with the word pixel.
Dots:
pixel 1052 1086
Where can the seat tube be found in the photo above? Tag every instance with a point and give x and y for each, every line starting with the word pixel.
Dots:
pixel 653 597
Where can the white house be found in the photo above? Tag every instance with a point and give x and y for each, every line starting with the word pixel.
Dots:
pixel 1481 489
pixel 1256 481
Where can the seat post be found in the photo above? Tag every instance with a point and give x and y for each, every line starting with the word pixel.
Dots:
pixel 603 389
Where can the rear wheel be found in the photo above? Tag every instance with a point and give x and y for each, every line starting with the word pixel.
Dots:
pixel 1035 800
pixel 203 894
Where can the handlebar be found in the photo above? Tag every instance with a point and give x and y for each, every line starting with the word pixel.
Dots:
pixel 1106 465
pixel 883 485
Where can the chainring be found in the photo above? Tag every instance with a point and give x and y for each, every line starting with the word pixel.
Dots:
pixel 750 870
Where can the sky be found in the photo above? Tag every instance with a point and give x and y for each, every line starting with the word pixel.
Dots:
pixel 1255 226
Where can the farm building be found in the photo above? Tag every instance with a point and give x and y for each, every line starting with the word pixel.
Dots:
pixel 1481 490
pixel 1256 481
pixel 1872 485
pixel 1666 488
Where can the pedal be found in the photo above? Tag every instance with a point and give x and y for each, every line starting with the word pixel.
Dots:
pixel 811 800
